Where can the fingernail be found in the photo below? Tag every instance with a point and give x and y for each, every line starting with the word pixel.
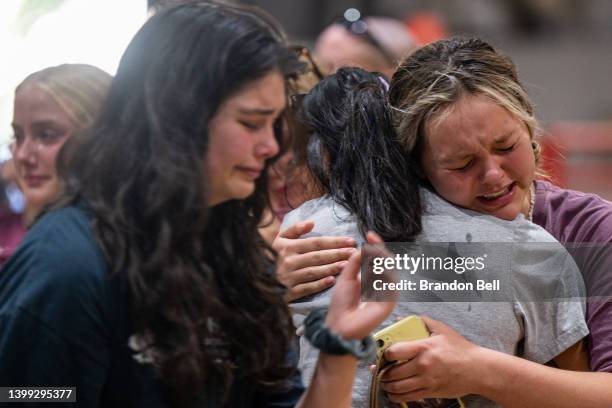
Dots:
pixel 330 280
pixel 342 264
pixel 349 251
pixel 350 242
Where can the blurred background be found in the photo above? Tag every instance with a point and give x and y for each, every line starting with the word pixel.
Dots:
pixel 563 49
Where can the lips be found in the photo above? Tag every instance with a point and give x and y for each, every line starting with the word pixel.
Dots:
pixel 499 197
pixel 253 172
pixel 33 181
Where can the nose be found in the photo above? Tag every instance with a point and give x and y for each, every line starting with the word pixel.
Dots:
pixel 492 174
pixel 267 146
pixel 25 151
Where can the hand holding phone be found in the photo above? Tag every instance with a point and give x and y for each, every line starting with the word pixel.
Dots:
pixel 408 329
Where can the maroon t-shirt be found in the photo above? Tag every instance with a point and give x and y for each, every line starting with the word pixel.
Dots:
pixel 584 223
pixel 11 232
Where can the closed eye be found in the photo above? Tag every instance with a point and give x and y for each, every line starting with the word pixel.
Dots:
pixel 507 149
pixel 250 125
pixel 49 135
pixel 463 168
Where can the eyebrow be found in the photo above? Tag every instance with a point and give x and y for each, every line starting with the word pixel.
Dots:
pixel 40 122
pixel 504 137
pixel 454 159
pixel 256 111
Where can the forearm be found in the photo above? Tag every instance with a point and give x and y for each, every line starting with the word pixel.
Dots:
pixel 515 382
pixel 332 382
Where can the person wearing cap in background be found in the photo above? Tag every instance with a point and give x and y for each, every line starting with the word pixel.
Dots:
pixel 373 43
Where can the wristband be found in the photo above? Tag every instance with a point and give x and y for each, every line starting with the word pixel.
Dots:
pixel 321 337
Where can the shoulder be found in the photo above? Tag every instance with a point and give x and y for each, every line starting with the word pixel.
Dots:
pixel 572 216
pixel 330 218
pixel 62 239
pixel 57 264
pixel 322 206
pixel 443 221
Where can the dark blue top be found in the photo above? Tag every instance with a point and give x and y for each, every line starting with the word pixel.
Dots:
pixel 64 322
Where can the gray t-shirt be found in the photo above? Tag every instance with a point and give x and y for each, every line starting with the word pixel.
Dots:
pixel 537 331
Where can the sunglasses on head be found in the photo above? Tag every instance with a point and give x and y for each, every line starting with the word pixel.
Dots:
pixel 356 24
pixel 304 55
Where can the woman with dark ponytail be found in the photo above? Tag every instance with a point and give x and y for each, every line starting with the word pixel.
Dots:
pixel 366 172
pixel 148 284
pixel 370 183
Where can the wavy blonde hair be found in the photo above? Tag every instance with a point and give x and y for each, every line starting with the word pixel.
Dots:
pixel 79 89
pixel 431 80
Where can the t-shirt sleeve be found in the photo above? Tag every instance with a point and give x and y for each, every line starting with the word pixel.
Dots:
pixel 597 259
pixel 53 328
pixel 550 298
pixel 583 222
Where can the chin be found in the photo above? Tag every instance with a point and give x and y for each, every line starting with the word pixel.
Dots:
pixel 40 198
pixel 243 193
pixel 508 214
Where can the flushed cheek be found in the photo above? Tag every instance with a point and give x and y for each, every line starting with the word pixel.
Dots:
pixel 44 165
pixel 526 172
pixel 458 190
pixel 42 193
pixel 49 159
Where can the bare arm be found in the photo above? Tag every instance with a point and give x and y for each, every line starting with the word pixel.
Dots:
pixel 515 382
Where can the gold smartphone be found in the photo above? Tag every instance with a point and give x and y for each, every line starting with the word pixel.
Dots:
pixel 408 329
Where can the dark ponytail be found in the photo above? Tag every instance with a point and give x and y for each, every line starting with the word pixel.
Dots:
pixel 354 154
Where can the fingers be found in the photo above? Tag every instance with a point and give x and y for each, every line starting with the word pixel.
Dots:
pixel 371 315
pixel 416 395
pixel 401 390
pixel 373 238
pixel 435 326
pixel 310 261
pixel 297 230
pixel 313 280
pixel 405 350
pixel 401 370
pixel 352 268
pixel 404 382
pixel 314 273
pixel 306 245
pixel 375 248
pixel 310 288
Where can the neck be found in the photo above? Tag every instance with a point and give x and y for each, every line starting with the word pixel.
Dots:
pixel 30 214
pixel 527 208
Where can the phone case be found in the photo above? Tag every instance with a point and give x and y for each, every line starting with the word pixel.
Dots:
pixel 408 329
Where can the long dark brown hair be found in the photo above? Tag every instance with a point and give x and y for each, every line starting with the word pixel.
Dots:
pixel 202 295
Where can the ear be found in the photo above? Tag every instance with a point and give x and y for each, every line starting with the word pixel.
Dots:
pixel 537 150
